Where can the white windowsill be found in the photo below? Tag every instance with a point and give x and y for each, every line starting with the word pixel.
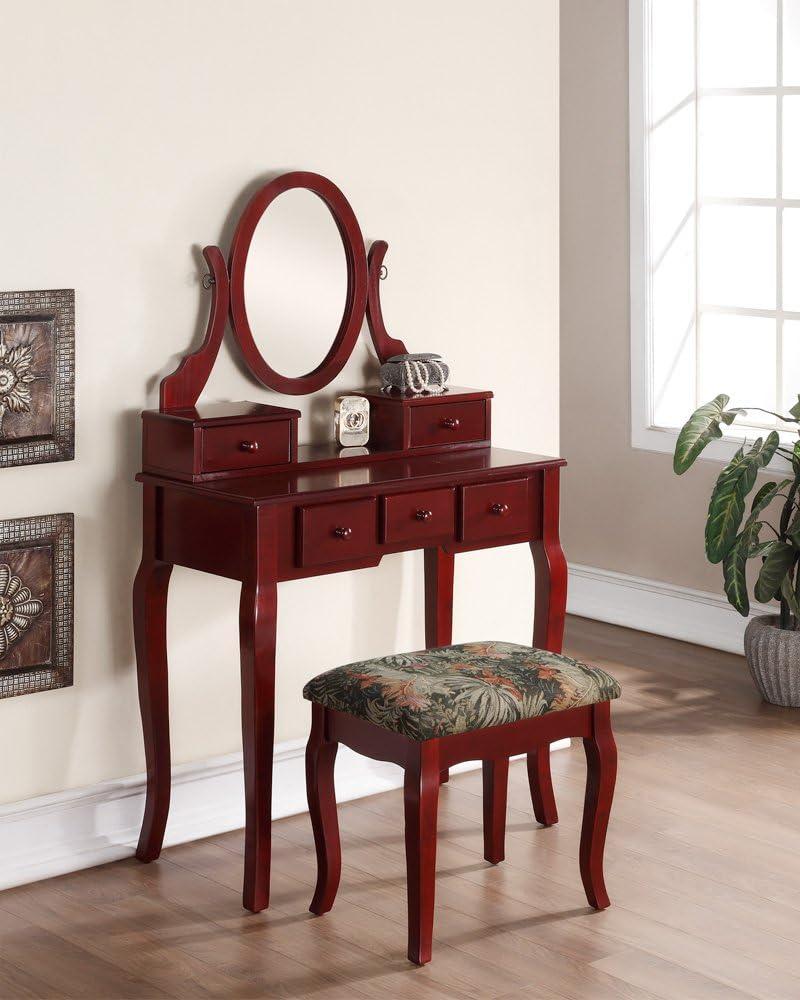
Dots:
pixel 663 439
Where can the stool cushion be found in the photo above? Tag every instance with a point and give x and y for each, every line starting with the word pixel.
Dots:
pixel 455 689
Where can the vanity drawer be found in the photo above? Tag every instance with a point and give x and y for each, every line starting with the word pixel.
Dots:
pixel 495 510
pixel 337 532
pixel 410 517
pixel 448 423
pixel 245 446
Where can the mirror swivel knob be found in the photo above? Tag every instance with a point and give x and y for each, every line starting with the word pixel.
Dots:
pixel 451 423
pixel 499 508
pixel 249 446
pixel 343 532
pixel 423 515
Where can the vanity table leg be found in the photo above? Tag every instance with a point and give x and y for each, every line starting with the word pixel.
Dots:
pixel 258 610
pixel 150 635
pixel 439 573
pixel 550 568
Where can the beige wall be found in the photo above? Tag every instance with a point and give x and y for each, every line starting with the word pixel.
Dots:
pixel 129 131
pixel 624 509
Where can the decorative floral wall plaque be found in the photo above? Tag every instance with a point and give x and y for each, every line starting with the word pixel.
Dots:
pixel 37 377
pixel 36 598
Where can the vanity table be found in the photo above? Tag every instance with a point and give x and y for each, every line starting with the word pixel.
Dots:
pixel 227 490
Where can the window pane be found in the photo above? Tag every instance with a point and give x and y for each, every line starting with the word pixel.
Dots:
pixel 791 363
pixel 737 43
pixel 791 259
pixel 791 43
pixel 736 147
pixel 791 146
pixel 674 331
pixel 737 256
pixel 671 177
pixel 737 356
pixel 672 55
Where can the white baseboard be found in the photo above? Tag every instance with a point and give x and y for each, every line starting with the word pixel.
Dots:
pixel 649 606
pixel 60 833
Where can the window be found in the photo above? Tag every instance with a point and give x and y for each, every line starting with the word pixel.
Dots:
pixel 715 210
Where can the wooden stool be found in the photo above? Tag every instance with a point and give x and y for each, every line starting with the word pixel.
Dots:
pixel 429 710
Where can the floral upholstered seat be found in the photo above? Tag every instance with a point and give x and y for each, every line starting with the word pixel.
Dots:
pixel 455 689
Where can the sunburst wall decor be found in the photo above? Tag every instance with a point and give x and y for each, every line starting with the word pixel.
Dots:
pixel 37 377
pixel 36 603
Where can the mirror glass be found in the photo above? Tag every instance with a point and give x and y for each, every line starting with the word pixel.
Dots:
pixel 295 282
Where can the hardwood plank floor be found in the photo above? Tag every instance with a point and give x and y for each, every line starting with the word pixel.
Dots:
pixel 702 865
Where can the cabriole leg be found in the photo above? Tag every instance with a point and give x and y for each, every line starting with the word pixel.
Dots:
pixel 421 805
pixel 495 793
pixel 150 590
pixel 550 568
pixel 258 613
pixel 601 762
pixel 541 785
pixel 439 576
pixel 320 759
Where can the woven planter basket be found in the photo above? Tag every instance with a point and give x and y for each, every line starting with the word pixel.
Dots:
pixel 773 655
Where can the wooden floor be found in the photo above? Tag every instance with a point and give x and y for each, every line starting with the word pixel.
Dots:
pixel 702 865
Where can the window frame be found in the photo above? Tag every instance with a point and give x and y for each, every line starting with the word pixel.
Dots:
pixel 646 434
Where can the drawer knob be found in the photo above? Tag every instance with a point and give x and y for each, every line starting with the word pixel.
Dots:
pixel 343 532
pixel 451 423
pixel 499 509
pixel 249 446
pixel 424 515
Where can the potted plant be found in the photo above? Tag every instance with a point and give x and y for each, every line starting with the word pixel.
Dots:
pixel 735 535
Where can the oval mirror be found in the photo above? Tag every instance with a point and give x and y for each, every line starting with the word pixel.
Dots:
pixel 298 283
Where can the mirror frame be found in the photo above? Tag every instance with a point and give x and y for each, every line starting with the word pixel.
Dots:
pixel 357 279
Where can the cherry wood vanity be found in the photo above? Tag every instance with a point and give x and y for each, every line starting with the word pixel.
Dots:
pixel 227 490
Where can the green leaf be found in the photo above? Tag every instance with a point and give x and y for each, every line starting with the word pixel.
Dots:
pixel 773 570
pixel 795 410
pixel 700 430
pixel 796 458
pixel 769 449
pixel 788 594
pixel 793 531
pixel 766 495
pixel 727 504
pixel 734 568
pixel 761 548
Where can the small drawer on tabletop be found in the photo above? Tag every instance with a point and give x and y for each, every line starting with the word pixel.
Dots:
pixel 416 517
pixel 448 423
pixel 495 510
pixel 337 532
pixel 245 446
pixel 216 440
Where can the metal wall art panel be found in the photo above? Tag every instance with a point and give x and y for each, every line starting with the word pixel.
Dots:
pixel 37 377
pixel 36 603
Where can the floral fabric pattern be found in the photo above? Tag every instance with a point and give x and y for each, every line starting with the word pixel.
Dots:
pixel 455 689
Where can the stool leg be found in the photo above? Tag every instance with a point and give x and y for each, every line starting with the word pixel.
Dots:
pixel 320 759
pixel 541 785
pixel 495 794
pixel 601 761
pixel 421 804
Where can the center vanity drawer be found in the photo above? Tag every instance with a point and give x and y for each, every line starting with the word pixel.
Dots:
pixel 495 510
pixel 448 423
pixel 337 532
pixel 245 446
pixel 409 517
